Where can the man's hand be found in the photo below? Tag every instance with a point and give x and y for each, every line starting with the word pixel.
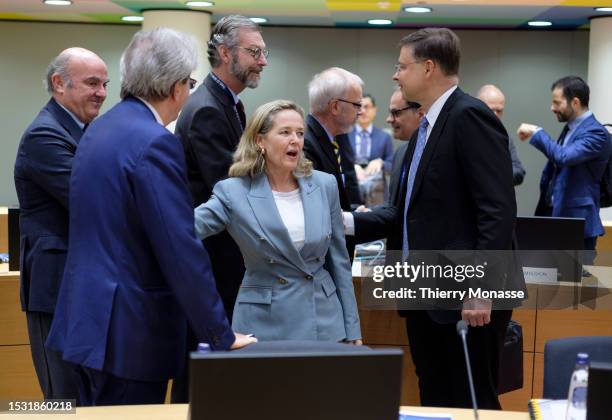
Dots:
pixel 361 174
pixel 362 209
pixel 242 341
pixel 374 167
pixel 476 312
pixel 525 131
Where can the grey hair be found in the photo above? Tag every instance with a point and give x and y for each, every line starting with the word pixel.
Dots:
pixel 59 65
pixel 154 61
pixel 225 33
pixel 332 83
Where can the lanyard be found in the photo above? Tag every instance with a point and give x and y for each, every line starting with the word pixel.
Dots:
pixel 231 95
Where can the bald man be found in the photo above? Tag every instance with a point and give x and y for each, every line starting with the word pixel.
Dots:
pixel 76 80
pixel 494 98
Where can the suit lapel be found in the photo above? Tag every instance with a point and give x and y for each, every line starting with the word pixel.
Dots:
pixel 225 98
pixel 313 216
pixel 432 142
pixel 323 142
pixel 65 120
pixel 578 130
pixel 264 208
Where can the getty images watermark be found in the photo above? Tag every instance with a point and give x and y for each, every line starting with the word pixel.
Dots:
pixel 442 280
pixel 458 273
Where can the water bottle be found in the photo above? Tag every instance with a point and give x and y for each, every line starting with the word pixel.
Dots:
pixel 203 348
pixel 577 396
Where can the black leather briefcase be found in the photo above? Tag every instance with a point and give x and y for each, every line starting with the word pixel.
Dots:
pixel 511 363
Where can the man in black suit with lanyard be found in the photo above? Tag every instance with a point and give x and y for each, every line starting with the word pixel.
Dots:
pixel 455 193
pixel 210 126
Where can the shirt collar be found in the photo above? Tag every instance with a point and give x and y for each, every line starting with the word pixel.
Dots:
pixel 329 136
pixel 435 108
pixel 576 122
pixel 368 129
pixel 74 117
pixel 224 86
pixel 153 110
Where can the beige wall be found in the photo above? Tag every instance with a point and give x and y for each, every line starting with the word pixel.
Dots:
pixel 522 63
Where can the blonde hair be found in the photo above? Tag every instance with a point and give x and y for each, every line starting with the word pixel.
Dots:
pixel 248 159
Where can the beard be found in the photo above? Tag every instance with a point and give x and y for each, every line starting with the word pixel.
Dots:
pixel 247 75
pixel 565 116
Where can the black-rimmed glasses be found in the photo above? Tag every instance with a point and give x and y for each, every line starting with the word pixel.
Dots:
pixel 256 52
pixel 192 83
pixel 355 104
pixel 395 112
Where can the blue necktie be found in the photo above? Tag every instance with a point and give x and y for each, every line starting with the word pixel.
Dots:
pixel 363 147
pixel 414 165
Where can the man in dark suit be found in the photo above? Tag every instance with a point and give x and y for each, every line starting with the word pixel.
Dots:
pixel 135 271
pixel 404 117
pixel 456 194
pixel 210 127
pixel 76 80
pixel 569 186
pixel 335 103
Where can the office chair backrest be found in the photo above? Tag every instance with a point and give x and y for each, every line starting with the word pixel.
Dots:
pixel 560 358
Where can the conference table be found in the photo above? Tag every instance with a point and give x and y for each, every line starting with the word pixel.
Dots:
pixel 179 412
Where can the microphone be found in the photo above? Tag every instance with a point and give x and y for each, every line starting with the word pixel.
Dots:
pixel 462 330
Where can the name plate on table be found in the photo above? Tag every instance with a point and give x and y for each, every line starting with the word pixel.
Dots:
pixel 540 275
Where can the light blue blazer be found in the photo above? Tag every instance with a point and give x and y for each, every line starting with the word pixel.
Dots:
pixel 286 294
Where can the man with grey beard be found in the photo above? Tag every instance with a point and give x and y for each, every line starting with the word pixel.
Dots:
pixel 210 127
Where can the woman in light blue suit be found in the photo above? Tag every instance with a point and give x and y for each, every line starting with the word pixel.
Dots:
pixel 286 219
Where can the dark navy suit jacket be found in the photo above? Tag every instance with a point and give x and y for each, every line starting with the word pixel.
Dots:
pixel 580 165
pixel 42 179
pixel 382 146
pixel 135 267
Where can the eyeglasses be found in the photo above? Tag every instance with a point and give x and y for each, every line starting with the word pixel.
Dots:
pixel 192 83
pixel 355 104
pixel 400 66
pixel 256 52
pixel 395 112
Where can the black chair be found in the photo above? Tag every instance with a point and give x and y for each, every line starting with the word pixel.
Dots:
pixel 560 358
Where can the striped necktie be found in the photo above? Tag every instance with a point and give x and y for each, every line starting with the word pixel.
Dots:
pixel 336 147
